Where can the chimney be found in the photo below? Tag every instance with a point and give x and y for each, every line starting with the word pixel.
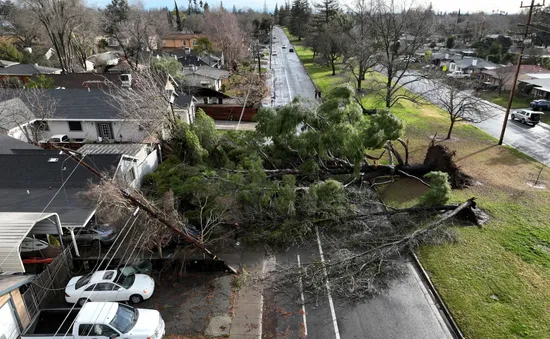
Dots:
pixel 474 62
pixel 447 56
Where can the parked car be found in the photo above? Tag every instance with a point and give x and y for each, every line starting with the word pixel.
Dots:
pixel 109 285
pixel 92 236
pixel 526 116
pixel 284 46
pixel 540 104
pixel 291 50
pixel 274 53
pixel 458 74
pixel 96 320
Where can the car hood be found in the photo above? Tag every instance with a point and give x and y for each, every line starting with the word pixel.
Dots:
pixel 144 282
pixel 148 322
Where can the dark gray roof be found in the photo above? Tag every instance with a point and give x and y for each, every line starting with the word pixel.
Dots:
pixel 81 104
pixel 28 181
pixel 27 69
pixel 122 149
pixel 82 80
pixel 183 101
pixel 9 144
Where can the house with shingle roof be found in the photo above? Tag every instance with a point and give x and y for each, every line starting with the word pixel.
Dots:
pixel 84 114
pixel 209 77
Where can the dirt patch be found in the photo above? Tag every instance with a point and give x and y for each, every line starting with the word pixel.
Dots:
pixel 538 185
pixel 440 138
pixel 429 112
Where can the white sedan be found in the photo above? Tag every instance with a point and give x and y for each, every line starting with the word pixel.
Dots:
pixel 284 46
pixel 109 285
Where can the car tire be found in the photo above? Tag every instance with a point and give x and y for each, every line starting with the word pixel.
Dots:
pixel 523 121
pixel 82 301
pixel 512 117
pixel 136 298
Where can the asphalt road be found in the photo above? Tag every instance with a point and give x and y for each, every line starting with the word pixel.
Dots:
pixel 406 310
pixel 533 141
pixel 288 75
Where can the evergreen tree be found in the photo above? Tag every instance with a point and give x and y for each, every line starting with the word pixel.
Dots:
pixel 206 7
pixel 327 9
pixel 234 9
pixel 299 14
pixel 178 18
pixel 169 17
pixel 276 14
pixel 266 11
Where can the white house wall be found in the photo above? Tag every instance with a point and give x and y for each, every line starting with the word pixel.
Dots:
pixel 128 129
pixel 140 168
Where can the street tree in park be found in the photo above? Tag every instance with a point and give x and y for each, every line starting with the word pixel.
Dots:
pixel 454 97
pixel 300 13
pixel 399 31
pixel 360 52
pixel 327 9
pixel 332 45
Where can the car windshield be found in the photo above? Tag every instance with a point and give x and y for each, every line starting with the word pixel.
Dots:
pixel 125 318
pixel 83 281
pixel 126 281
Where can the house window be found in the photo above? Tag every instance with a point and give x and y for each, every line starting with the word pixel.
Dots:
pixel 75 126
pixel 131 175
pixel 41 126
pixel 163 43
pixel 194 42
pixel 184 42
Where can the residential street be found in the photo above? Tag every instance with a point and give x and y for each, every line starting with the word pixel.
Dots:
pixel 533 141
pixel 406 310
pixel 288 74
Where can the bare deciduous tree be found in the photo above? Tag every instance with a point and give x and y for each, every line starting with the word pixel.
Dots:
pixel 223 30
pixel 399 31
pixel 28 110
pixel 148 102
pixel 61 19
pixel 132 27
pixel 502 76
pixel 27 30
pixel 460 105
pixel 360 53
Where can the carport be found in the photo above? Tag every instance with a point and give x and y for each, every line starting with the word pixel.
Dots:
pixel 14 227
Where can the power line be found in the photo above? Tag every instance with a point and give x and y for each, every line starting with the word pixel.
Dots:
pixel 102 260
pixel 516 74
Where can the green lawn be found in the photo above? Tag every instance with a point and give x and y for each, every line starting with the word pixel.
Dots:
pixel 502 100
pixel 496 279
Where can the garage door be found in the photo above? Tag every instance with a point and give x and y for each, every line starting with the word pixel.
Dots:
pixel 9 329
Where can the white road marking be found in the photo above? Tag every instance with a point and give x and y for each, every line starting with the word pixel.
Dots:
pixel 268 264
pixel 330 302
pixel 302 296
pixel 288 86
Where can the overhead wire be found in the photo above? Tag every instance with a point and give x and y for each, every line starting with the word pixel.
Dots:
pixel 102 260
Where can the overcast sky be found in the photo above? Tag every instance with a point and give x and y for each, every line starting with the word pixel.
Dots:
pixel 510 6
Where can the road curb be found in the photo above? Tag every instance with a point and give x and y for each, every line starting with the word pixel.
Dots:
pixel 447 315
pixel 301 63
pixel 456 332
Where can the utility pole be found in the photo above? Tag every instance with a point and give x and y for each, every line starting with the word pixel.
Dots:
pixel 518 67
pixel 270 45
pixel 149 209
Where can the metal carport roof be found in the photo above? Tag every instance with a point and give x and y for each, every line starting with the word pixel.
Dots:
pixel 14 226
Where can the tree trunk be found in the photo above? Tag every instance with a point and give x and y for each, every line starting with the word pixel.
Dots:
pixel 332 65
pixel 359 81
pixel 388 88
pixel 450 129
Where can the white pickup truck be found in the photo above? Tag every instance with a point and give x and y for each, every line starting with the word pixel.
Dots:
pixel 96 320
pixel 458 74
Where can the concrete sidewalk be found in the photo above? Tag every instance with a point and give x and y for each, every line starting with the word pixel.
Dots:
pixel 248 307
